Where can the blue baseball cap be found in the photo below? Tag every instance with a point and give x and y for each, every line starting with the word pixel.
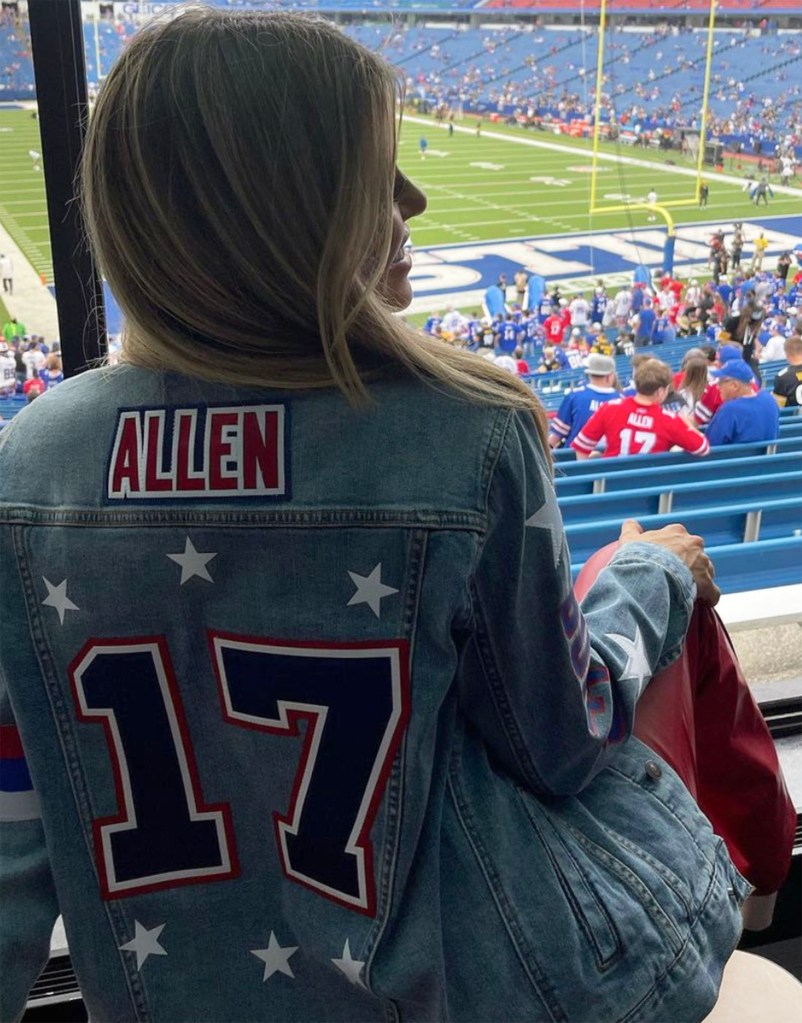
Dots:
pixel 734 370
pixel 726 352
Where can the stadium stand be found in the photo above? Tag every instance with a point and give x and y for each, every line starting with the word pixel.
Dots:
pixel 655 75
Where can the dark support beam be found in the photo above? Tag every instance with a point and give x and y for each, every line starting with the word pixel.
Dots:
pixel 60 70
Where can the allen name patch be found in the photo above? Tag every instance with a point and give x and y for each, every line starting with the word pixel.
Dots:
pixel 200 452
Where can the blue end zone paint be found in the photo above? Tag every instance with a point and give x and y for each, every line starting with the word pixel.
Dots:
pixel 461 273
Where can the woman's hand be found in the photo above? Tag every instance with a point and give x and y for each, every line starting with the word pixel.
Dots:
pixel 687 547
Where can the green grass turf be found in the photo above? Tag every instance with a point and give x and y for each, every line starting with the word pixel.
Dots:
pixel 23 209
pixel 466 203
pixel 469 203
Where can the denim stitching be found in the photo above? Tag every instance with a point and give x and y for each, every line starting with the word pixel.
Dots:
pixel 118 920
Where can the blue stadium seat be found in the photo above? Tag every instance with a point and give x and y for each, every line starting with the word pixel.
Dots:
pixel 672 473
pixel 623 504
pixel 720 526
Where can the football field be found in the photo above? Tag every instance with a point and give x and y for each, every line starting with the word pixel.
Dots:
pixel 23 210
pixel 503 185
pixel 513 183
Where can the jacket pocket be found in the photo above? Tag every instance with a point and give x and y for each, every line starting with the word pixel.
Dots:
pixel 658 900
pixel 574 874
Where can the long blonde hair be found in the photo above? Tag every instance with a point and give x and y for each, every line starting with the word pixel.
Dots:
pixel 237 186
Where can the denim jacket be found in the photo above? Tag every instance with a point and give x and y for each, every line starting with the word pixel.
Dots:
pixel 302 720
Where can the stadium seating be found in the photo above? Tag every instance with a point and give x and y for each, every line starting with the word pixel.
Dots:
pixel 653 76
pixel 784 481
pixel 749 521
pixel 601 476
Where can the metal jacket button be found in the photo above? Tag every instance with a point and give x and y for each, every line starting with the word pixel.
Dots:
pixel 654 770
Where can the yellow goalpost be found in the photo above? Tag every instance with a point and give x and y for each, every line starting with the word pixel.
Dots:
pixel 662 208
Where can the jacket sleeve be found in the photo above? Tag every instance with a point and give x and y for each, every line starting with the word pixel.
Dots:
pixel 551 687
pixel 688 439
pixel 27 892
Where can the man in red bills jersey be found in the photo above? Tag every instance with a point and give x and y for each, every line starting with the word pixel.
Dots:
pixel 638 425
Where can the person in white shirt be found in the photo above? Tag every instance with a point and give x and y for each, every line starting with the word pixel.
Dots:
pixel 453 321
pixel 8 371
pixel 34 359
pixel 623 303
pixel 580 310
pixel 775 346
pixel 7 273
pixel 693 294
pixel 651 198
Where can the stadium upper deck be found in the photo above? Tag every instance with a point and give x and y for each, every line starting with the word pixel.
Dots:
pixel 662 7
pixel 654 75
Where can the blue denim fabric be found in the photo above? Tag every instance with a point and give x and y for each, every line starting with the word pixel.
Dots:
pixel 519 862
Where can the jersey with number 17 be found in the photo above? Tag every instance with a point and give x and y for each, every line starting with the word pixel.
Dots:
pixel 632 428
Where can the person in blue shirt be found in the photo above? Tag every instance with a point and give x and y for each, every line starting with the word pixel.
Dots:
pixel 638 298
pixel 533 335
pixel 598 304
pixel 726 291
pixel 508 335
pixel 646 322
pixel 664 331
pixel 435 320
pixel 578 406
pixel 744 416
pixel 546 308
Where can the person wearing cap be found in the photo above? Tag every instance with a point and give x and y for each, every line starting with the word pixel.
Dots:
pixel 744 415
pixel 579 405
pixel 710 401
pixel 638 425
pixel 577 348
pixel 774 348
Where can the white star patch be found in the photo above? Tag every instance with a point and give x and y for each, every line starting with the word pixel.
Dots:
pixel 275 958
pixel 548 517
pixel 57 598
pixel 145 943
pixel 370 589
pixel 637 665
pixel 193 563
pixel 350 967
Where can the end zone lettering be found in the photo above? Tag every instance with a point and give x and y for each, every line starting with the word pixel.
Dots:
pixel 223 452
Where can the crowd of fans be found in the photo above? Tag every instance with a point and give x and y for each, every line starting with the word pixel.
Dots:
pixel 557 81
pixel 741 320
pixel 28 365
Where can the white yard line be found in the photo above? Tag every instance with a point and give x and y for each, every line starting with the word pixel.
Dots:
pixel 630 161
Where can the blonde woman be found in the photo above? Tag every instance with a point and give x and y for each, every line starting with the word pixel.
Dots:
pixel 307 723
